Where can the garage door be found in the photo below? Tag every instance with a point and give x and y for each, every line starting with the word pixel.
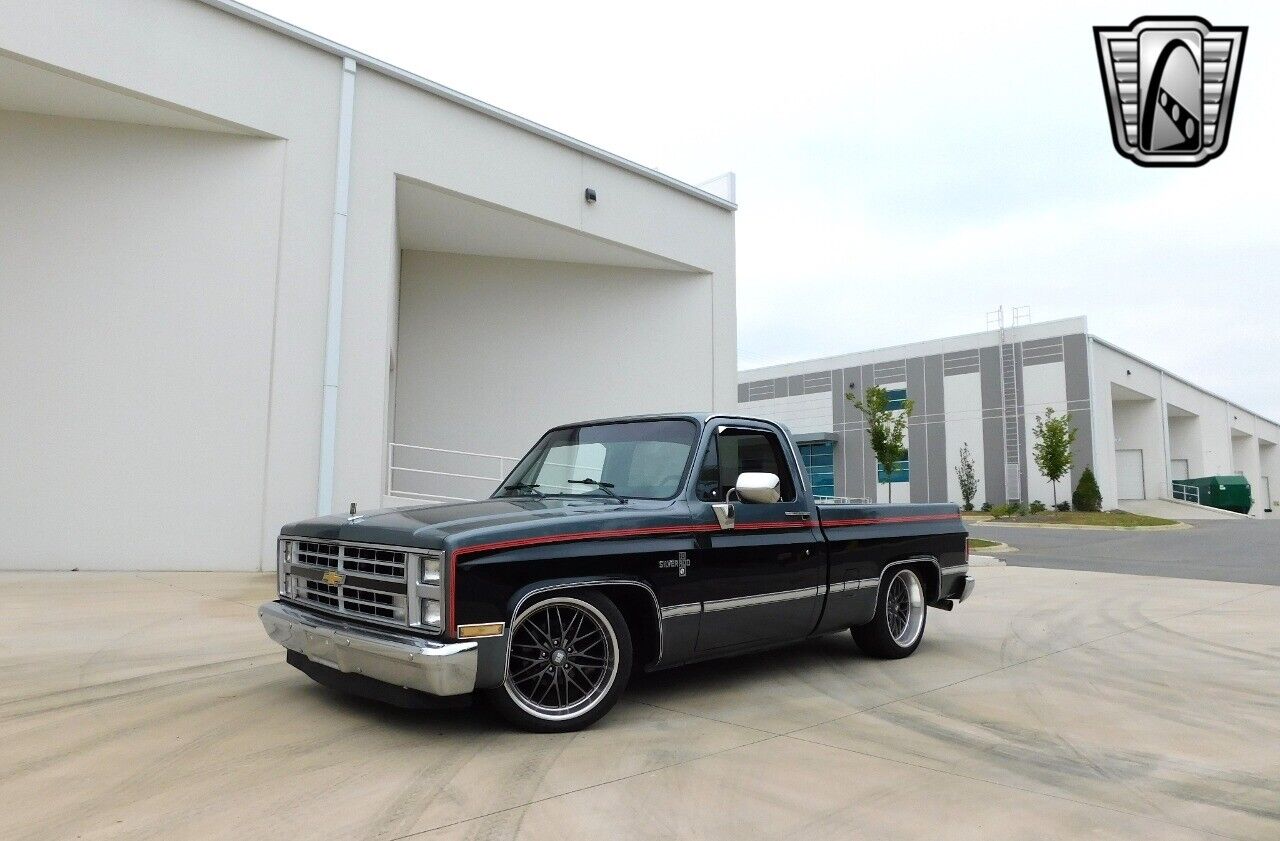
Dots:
pixel 1180 469
pixel 1129 484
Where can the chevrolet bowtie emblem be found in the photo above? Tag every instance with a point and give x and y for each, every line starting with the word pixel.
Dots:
pixel 1170 84
pixel 333 579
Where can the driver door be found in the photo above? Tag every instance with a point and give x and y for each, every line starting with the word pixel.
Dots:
pixel 759 581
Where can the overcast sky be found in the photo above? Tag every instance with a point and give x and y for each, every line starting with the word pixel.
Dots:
pixel 901 171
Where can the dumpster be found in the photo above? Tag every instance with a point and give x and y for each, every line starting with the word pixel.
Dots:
pixel 1230 493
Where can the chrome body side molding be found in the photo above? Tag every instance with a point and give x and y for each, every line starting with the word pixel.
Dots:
pixel 762 598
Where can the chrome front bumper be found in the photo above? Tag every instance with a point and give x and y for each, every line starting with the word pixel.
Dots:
pixel 438 668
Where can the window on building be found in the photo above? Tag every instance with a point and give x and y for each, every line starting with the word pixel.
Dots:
pixel 820 465
pixel 901 472
pixel 896 397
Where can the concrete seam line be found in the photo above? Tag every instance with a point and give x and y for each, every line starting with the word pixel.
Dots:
pixel 150 682
pixel 1031 791
pixel 602 783
pixel 253 606
pixel 1263 588
pixel 707 718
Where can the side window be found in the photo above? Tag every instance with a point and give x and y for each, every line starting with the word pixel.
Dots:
pixel 736 451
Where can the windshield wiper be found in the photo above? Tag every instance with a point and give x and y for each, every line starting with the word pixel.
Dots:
pixel 532 487
pixel 607 487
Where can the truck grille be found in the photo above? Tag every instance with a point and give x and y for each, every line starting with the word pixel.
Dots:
pixel 372 583
pixel 359 560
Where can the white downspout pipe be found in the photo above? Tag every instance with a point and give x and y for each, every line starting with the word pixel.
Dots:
pixel 337 277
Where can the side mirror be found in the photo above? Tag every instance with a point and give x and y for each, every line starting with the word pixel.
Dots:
pixel 758 487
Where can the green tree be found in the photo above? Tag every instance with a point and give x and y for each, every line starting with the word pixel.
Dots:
pixel 885 428
pixel 1087 496
pixel 968 476
pixel 1054 436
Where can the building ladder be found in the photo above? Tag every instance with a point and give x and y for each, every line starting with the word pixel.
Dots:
pixel 1012 424
pixel 1009 415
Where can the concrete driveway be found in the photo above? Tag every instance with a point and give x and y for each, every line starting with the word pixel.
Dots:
pixel 1247 551
pixel 1054 704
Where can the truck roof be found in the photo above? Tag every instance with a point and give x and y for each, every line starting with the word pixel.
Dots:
pixel 696 417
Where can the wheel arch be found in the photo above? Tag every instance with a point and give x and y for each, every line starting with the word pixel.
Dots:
pixel 634 598
pixel 928 568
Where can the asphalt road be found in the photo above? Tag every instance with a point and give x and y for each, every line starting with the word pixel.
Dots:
pixel 1245 551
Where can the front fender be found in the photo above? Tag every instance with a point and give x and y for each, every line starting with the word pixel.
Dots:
pixel 492 665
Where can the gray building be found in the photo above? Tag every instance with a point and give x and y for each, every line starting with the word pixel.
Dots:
pixel 1140 427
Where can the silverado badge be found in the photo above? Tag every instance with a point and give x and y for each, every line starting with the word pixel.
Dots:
pixel 333 579
pixel 1171 87
pixel 680 561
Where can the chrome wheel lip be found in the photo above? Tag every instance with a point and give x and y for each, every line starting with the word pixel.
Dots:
pixel 597 693
pixel 904 608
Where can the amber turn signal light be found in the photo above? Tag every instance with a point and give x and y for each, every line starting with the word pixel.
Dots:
pixel 492 629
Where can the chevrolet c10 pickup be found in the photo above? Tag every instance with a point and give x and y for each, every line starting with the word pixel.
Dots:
pixel 635 543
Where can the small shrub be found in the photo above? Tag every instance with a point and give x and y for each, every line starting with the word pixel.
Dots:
pixel 1087 496
pixel 1020 510
pixel 986 506
pixel 968 506
pixel 1037 507
pixel 1063 506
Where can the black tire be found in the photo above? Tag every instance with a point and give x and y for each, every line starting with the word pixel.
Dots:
pixel 890 635
pixel 583 634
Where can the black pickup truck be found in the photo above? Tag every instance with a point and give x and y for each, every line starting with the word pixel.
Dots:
pixel 630 543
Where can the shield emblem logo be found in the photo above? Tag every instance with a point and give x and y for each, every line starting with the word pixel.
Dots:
pixel 1170 84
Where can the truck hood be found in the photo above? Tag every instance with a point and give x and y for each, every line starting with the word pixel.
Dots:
pixel 438 526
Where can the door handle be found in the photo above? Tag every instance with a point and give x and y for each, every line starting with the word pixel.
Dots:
pixel 804 515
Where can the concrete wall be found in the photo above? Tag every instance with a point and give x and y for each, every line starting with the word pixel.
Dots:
pixel 956 386
pixel 1185 443
pixel 207 254
pixel 401 133
pixel 481 359
pixel 139 276
pixel 963 399
pixel 802 413
pixel 1044 387
pixel 1115 401
pixel 1214 435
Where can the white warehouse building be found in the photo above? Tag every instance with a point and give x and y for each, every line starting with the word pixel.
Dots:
pixel 1141 428
pixel 248 274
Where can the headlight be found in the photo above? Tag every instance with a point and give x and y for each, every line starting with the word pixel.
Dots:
pixel 431 613
pixel 430 570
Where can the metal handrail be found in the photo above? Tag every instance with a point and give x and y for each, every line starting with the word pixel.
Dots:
pixel 481 475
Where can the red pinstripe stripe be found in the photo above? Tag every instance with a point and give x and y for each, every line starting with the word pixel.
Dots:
pixel 555 538
pixel 871 521
pixel 641 531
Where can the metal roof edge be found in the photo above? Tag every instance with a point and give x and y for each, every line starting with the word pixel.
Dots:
pixel 297 33
pixel 1180 379
pixel 837 360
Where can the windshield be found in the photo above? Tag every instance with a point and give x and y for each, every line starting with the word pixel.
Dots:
pixel 630 460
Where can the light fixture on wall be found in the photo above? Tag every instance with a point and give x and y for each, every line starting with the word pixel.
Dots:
pixel 590 195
